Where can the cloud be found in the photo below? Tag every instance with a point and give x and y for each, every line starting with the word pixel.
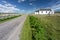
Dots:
pixel 4 1
pixel 32 0
pixel 21 1
pixel 8 8
pixel 30 4
pixel 55 6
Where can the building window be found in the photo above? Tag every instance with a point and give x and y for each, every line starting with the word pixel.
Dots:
pixel 49 12
pixel 41 11
pixel 46 11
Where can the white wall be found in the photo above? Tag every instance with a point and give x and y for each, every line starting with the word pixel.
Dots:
pixel 44 12
pixel 36 13
pixel 52 12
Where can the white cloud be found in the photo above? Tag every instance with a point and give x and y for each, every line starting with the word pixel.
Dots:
pixel 4 1
pixel 21 1
pixel 8 8
pixel 32 0
pixel 55 6
pixel 30 4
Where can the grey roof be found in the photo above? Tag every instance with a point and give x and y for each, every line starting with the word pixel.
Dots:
pixel 45 10
pixel 37 11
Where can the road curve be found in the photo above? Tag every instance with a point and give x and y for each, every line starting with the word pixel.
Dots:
pixel 10 30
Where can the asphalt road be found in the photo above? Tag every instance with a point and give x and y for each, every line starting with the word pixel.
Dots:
pixel 10 30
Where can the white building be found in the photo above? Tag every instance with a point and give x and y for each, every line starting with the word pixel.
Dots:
pixel 44 11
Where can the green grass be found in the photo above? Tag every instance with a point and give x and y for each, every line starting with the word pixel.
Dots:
pixel 38 32
pixel 9 18
pixel 26 31
pixel 41 27
pixel 51 26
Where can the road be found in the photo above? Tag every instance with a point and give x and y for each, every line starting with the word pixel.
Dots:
pixel 10 30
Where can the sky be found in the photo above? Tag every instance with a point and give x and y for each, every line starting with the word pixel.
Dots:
pixel 27 6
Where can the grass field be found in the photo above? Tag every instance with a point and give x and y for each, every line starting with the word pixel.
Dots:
pixel 8 18
pixel 41 27
pixel 51 26
pixel 26 31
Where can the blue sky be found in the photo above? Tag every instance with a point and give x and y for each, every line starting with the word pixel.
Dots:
pixel 27 6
